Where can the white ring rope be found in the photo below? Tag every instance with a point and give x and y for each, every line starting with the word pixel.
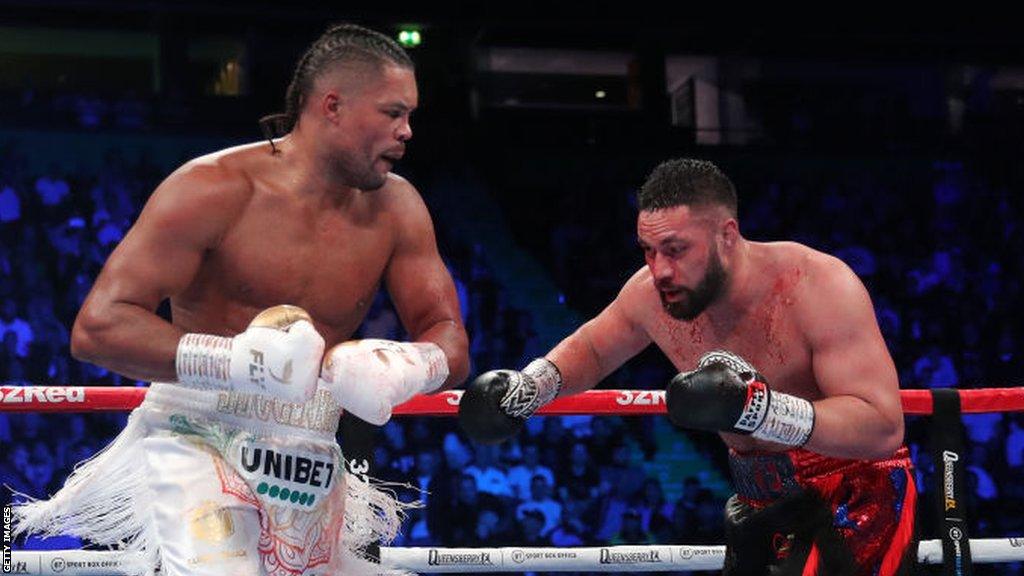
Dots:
pixel 481 560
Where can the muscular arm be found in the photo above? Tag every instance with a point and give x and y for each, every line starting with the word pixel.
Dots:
pixel 604 343
pixel 860 415
pixel 497 403
pixel 421 288
pixel 117 327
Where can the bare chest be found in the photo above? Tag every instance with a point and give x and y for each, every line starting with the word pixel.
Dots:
pixel 331 267
pixel 767 336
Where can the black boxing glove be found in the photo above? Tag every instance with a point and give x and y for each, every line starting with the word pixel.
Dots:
pixel 726 394
pixel 496 404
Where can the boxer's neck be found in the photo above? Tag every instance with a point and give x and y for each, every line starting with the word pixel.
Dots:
pixel 740 292
pixel 311 169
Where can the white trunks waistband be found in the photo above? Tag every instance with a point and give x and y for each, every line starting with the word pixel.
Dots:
pixel 261 415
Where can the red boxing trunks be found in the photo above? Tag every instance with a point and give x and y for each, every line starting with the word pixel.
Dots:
pixel 802 513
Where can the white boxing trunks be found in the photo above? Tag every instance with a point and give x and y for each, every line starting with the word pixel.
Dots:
pixel 221 483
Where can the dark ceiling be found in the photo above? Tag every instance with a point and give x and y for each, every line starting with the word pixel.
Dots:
pixel 863 32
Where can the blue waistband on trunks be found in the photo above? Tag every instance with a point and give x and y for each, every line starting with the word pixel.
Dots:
pixel 764 476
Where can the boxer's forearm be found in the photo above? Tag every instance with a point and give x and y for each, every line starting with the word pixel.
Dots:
pixel 127 339
pixel 497 403
pixel 600 346
pixel 450 337
pixel 849 427
pixel 578 363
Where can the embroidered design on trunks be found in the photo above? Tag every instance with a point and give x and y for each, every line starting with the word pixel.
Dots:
pixel 764 477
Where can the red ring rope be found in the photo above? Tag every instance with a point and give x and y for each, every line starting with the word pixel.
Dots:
pixel 607 402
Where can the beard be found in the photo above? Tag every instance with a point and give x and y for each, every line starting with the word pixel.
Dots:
pixel 371 181
pixel 359 174
pixel 695 300
pixel 367 179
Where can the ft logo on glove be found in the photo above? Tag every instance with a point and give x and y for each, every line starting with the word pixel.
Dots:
pixel 278 355
pixel 282 355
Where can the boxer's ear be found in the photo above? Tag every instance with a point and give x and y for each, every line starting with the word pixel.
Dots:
pixel 730 232
pixel 330 105
pixel 333 101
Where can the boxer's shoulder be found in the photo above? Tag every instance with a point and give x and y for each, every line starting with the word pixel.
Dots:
pixel 786 255
pixel 795 268
pixel 251 152
pixel 400 202
pixel 640 283
pixel 204 194
pixel 825 275
pixel 223 176
pixel 638 297
pixel 397 192
pixel 819 286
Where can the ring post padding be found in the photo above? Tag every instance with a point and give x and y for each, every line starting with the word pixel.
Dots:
pixel 947 432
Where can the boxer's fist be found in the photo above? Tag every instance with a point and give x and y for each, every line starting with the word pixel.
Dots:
pixel 497 403
pixel 727 394
pixel 370 377
pixel 710 398
pixel 278 355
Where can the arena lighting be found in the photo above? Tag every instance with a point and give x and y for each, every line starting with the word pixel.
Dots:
pixel 409 37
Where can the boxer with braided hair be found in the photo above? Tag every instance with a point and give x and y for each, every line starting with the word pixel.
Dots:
pixel 268 254
pixel 342 44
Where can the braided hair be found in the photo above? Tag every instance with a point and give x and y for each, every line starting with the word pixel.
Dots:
pixel 341 43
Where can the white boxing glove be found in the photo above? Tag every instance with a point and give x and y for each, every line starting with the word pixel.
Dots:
pixel 278 355
pixel 370 377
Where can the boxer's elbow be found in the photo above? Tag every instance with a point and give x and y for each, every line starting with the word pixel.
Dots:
pixel 459 374
pixel 888 437
pixel 892 437
pixel 450 335
pixel 456 349
pixel 458 363
pixel 87 336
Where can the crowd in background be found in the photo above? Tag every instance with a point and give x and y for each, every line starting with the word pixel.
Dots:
pixel 940 257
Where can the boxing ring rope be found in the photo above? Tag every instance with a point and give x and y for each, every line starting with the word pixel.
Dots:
pixel 655 558
pixel 595 402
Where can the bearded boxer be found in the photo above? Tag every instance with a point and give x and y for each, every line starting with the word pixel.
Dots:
pixel 231 465
pixel 823 481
